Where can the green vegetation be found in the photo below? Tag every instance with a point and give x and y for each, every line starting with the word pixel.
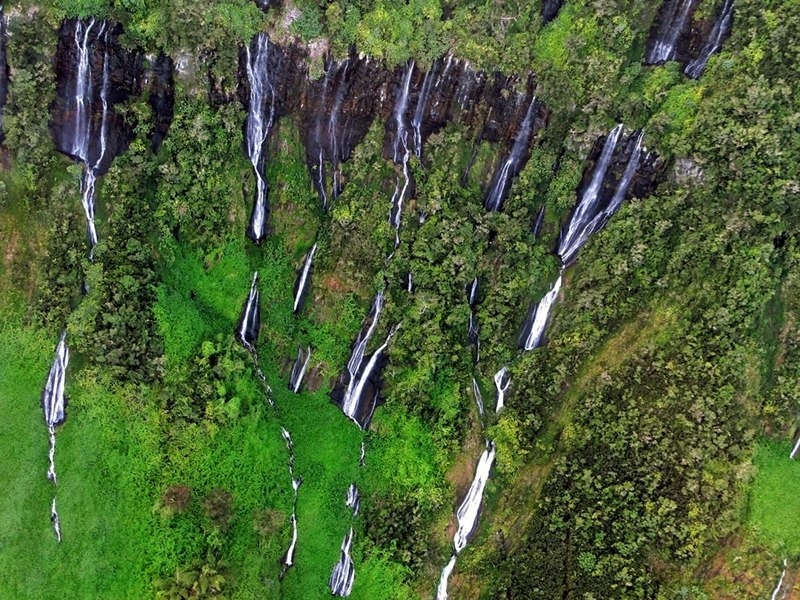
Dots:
pixel 773 507
pixel 641 448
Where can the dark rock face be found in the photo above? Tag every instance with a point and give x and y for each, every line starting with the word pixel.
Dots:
pixel 550 10
pixel 3 71
pixel 162 98
pixel 678 35
pixel 337 109
pixel 114 74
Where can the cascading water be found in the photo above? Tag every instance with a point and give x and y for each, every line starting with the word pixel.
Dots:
pixel 429 101
pixel 299 369
pixel 260 116
pixel 353 501
pixel 54 519
pixel 473 336
pixel 344 573
pixel 250 318
pixel 476 391
pixel 356 391
pixel 721 28
pixel 501 381
pixel 467 514
pixel 795 449
pixel 288 557
pixel 579 228
pixel 778 587
pixel 512 165
pixel 536 323
pixel 303 282
pixel 589 217
pixel 401 152
pixel 53 400
pixel 672 24
pixel 537 225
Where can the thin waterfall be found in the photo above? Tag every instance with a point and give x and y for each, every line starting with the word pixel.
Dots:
pixel 260 116
pixel 250 318
pixel 473 336
pixel 299 369
pixel 721 28
pixel 288 557
pixel 353 501
pixel 512 165
pixel 536 323
pixel 53 400
pixel 778 587
pixel 793 453
pixel 537 225
pixel 401 153
pixel 501 382
pixel 344 573
pixel 672 25
pixel 577 231
pixel 55 520
pixel 441 590
pixel 356 391
pixel 303 282
pixel 318 136
pixel 590 216
pixel 467 514
pixel 476 391
pixel 333 126
pixel 419 111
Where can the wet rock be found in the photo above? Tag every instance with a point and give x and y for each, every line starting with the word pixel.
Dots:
pixel 162 98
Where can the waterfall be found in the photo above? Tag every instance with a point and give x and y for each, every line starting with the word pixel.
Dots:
pixel 476 391
pixel 250 318
pixel 419 111
pixel 578 229
pixel 299 369
pixel 356 391
pixel 501 381
pixel 537 225
pixel 719 31
pixel 441 590
pixel 472 326
pixel 55 520
pixel 344 574
pixel 53 401
pixel 536 323
pixel 353 501
pixel 467 513
pixel 796 448
pixel 333 125
pixel 260 116
pixel 303 282
pixel 510 168
pixel 400 153
pixel 288 557
pixel 780 583
pixel 672 23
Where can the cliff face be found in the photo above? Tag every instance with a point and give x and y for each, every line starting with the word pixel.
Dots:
pixel 3 71
pixel 162 97
pixel 83 121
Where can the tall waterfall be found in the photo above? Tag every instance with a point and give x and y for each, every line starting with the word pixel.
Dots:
pixel 356 391
pixel 260 116
pixel 594 210
pixel 719 31
pixel 778 587
pixel 250 318
pixel 512 165
pixel 303 282
pixel 401 152
pixel 673 22
pixel 86 33
pixel 579 227
pixel 53 400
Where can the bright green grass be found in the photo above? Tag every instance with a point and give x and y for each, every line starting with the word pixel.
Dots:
pixel 774 501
